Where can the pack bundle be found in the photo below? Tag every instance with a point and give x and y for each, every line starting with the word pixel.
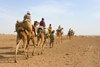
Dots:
pixel 26 24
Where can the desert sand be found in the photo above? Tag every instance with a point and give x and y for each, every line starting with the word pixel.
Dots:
pixel 77 52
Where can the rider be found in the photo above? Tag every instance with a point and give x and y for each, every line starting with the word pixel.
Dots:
pixel 59 27
pixel 27 16
pixel 50 28
pixel 69 30
pixel 43 26
pixel 42 23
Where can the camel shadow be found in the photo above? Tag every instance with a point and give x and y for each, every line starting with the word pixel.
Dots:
pixel 6 47
pixel 4 59
pixel 7 57
pixel 13 53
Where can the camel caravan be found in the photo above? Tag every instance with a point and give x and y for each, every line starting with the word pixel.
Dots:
pixel 26 32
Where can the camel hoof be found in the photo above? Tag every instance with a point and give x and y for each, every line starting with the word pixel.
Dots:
pixel 32 54
pixel 36 44
pixel 41 52
pixel 23 47
pixel 38 53
pixel 28 56
pixel 15 61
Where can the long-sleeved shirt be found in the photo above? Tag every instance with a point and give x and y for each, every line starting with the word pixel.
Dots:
pixel 50 28
pixel 42 23
pixel 27 17
pixel 52 37
pixel 59 27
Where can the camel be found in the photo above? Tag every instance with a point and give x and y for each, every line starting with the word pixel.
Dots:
pixel 41 38
pixel 70 34
pixel 34 29
pixel 59 35
pixel 25 37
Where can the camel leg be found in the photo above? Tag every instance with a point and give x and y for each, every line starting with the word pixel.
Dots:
pixel 27 49
pixel 42 46
pixel 33 40
pixel 61 39
pixel 17 50
pixel 44 39
pixel 56 39
pixel 50 44
pixel 38 42
pixel 25 42
pixel 69 36
pixel 42 43
pixel 20 45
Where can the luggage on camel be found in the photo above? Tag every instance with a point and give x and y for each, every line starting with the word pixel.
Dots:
pixel 45 30
pixel 26 24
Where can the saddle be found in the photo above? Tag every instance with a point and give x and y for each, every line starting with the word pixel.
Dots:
pixel 58 30
pixel 44 30
pixel 23 30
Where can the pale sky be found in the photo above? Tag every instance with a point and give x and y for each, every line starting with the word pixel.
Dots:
pixel 83 16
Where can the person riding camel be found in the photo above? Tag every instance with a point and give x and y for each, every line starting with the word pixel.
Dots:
pixel 59 27
pixel 43 26
pixel 69 31
pixel 27 16
pixel 42 23
pixel 50 28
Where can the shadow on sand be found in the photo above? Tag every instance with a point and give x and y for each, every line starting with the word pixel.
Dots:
pixel 5 47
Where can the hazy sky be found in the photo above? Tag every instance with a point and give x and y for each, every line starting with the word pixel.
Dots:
pixel 83 16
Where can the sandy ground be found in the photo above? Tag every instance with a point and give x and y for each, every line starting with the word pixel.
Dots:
pixel 77 52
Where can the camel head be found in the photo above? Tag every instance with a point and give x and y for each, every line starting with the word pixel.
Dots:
pixel 36 23
pixel 61 29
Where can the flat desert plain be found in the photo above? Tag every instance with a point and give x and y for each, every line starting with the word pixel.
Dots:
pixel 77 52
